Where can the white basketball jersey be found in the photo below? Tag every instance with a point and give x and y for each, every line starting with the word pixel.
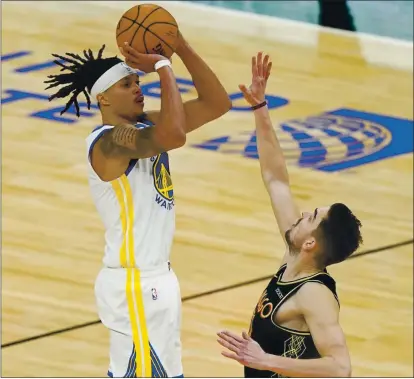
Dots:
pixel 137 210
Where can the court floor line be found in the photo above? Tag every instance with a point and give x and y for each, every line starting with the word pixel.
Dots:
pixel 195 296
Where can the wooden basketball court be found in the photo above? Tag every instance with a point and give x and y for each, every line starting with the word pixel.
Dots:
pixel 52 238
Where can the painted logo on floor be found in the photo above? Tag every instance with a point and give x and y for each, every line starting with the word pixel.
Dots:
pixel 331 141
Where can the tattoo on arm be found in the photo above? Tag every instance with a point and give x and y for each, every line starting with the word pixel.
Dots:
pixel 124 136
pixel 128 141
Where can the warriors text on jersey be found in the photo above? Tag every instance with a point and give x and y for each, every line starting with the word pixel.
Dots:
pixel 275 339
pixel 137 209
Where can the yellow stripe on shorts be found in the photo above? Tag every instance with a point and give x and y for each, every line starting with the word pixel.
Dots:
pixel 142 323
pixel 133 283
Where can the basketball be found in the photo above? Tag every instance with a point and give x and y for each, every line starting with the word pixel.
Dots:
pixel 148 28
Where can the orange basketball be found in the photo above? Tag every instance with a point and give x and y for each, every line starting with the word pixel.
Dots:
pixel 149 29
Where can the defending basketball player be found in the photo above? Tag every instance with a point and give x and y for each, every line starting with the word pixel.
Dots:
pixel 137 292
pixel 294 330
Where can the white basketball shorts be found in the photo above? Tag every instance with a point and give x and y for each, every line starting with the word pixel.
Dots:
pixel 142 310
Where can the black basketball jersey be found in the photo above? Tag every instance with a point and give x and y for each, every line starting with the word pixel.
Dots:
pixel 279 340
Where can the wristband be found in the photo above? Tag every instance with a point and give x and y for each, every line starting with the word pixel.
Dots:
pixel 259 105
pixel 162 63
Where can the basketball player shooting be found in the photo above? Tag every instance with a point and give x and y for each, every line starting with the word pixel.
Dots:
pixel 137 292
pixel 294 331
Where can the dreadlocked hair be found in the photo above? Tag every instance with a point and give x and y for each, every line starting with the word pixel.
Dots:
pixel 84 72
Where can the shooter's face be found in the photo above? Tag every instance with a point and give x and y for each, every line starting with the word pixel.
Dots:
pixel 125 97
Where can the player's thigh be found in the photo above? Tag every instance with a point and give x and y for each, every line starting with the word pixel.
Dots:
pixel 163 310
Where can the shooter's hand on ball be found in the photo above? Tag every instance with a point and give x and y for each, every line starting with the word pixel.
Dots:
pixel 181 43
pixel 142 62
pixel 261 68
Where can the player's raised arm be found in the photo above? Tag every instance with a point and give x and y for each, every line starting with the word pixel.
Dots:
pixel 272 162
pixel 212 99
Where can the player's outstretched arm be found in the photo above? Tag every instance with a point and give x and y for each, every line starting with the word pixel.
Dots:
pixel 272 162
pixel 320 311
pixel 168 132
pixel 212 101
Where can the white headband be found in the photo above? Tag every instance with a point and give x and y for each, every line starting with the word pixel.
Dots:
pixel 110 77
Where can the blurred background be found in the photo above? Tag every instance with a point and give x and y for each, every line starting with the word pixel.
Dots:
pixel 383 18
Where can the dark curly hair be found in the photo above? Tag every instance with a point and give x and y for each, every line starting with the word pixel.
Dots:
pixel 85 71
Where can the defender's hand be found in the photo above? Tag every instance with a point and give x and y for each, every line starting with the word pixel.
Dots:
pixel 243 349
pixel 142 62
pixel 261 68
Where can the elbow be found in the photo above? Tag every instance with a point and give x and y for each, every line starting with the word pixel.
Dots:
pixel 271 177
pixel 179 139
pixel 339 367
pixel 228 104
pixel 343 371
pixel 225 105
pixel 220 105
pixel 347 373
pixel 176 133
pixel 171 137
